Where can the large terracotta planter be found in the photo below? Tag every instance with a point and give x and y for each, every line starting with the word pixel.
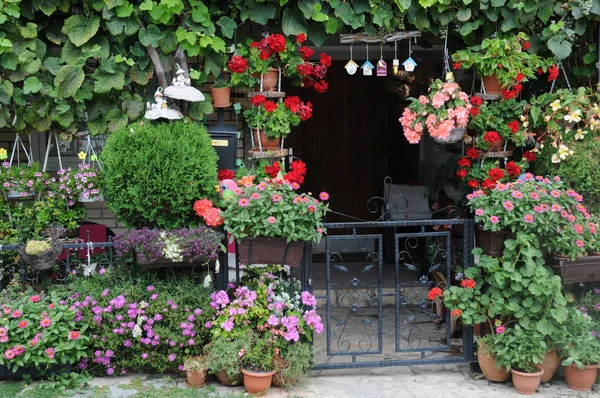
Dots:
pixel 270 80
pixel 496 146
pixel 270 251
pixel 221 96
pixel 526 383
pixel 224 378
pixel 492 85
pixel 581 379
pixel 488 366
pixel 196 379
pixel 491 242
pixel 257 383
pixel 266 143
pixel 549 363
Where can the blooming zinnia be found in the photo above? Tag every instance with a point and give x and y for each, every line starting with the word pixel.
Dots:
pixel 73 335
pixel 45 322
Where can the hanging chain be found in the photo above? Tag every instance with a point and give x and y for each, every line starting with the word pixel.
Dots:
pixel 446 55
pixel 560 67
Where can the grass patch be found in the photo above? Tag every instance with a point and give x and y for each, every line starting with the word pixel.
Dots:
pixel 10 389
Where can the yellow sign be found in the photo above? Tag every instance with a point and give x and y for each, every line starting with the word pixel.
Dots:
pixel 220 143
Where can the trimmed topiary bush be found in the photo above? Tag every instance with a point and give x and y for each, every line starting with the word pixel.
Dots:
pixel 154 172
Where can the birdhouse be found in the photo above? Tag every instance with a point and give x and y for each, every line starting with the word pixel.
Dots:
pixel 409 64
pixel 367 68
pixel 351 67
pixel 381 68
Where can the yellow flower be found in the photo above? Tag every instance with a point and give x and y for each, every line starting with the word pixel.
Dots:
pixel 81 155
pixel 3 154
pixel 580 135
pixel 555 105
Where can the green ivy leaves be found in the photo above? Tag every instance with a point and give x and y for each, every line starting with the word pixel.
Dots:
pixel 81 29
pixel 68 80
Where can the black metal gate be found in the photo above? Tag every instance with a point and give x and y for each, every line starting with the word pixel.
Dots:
pixel 377 312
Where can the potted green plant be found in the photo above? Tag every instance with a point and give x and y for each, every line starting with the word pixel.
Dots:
pixel 258 364
pixel 224 360
pixel 221 93
pixel 444 113
pixel 580 346
pixel 270 121
pixel 53 209
pixel 196 370
pixel 504 117
pixel 502 62
pixel 521 350
pixel 292 364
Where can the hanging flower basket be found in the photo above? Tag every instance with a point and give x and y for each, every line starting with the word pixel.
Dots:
pixel 20 195
pixel 41 261
pixel 270 251
pixel 90 199
pixel 455 135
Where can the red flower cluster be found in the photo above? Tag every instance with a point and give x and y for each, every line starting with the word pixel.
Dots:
pixel 270 106
pixel 457 65
pixel 306 52
pixel 301 38
pixel 491 137
pixel 526 45
pixel 513 169
pixel 295 105
pixel 473 184
pixel 495 174
pixel 305 69
pixel 488 184
pixel 272 44
pixel 321 86
pixel 313 74
pixel 258 100
pixel 529 156
pixel 272 170
pixel 462 173
pixel 464 162
pixel 212 215
pixel 237 64
pixel 552 73
pixel 476 101
pixel 473 153
pixel 325 60
pixel 226 174
pixel 434 293
pixel 508 94
pixel 514 126
pixel 468 283
pixel 297 172
pixel 520 77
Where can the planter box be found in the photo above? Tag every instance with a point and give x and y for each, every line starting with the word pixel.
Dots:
pixel 582 269
pixel 166 263
pixel 270 251
pixel 7 374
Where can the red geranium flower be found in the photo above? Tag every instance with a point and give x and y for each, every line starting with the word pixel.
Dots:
pixel 553 73
pixel 462 173
pixel 292 103
pixel 435 292
pixel 473 184
pixel 476 101
pixel 495 174
pixel 517 88
pixel 226 174
pixel 514 126
pixel 508 94
pixel 492 137
pixel 270 106
pixel 488 184
pixel 321 86
pixel 258 99
pixel 473 153
pixel 264 55
pixel 457 65
pixel 464 162
pixel 237 64
pixel 305 69
pixel 474 111
pixel 272 170
pixel 255 44
pixel 276 43
pixel 513 169
pixel 529 156
pixel 526 45
pixel 456 313
pixel 306 52
pixel 307 82
pixel 301 38
pixel 540 71
pixel 325 59
pixel 520 77
pixel 468 283
pixel 305 111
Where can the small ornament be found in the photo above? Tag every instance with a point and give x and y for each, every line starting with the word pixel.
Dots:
pixel 381 68
pixel 351 67
pixel 409 64
pixel 181 88
pixel 396 66
pixel 367 68
pixel 160 109
pixel 449 76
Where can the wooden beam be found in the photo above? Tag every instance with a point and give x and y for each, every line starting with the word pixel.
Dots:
pixel 352 38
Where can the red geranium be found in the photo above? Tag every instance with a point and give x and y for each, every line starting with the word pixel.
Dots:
pixel 495 174
pixel 307 82
pixel 474 111
pixel 529 156
pixel 552 73
pixel 514 126
pixel 434 293
pixel 272 170
pixel 508 94
pixel 226 174
pixel 526 45
pixel 492 137
pixel 457 65
pixel 258 100
pixel 301 38
pixel 517 88
pixel 276 43
pixel 202 206
pixel 476 101
pixel 237 64
pixel 292 103
pixel 306 52
pixel 255 44
pixel 464 162
pixel 320 71
pixel 488 184
pixel 462 173
pixel 513 169
pixel 305 69
pixel 473 184
pixel 305 111
pixel 264 55
pixel 520 77
pixel 297 172
pixel 321 86
pixel 473 153
pixel 325 59
pixel 270 106
pixel 468 283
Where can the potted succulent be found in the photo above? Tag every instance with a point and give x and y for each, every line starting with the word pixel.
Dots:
pixel 270 121
pixel 502 62
pixel 444 113
pixel 221 93
pixel 196 370
pixel 521 351
pixel 580 346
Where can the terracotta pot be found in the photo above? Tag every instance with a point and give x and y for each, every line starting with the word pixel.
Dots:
pixel 270 80
pixel 497 145
pixel 526 383
pixel 266 143
pixel 270 251
pixel 221 97
pixel 196 379
pixel 224 378
pixel 488 366
pixel 491 242
pixel 257 383
pixel 492 85
pixel 549 363
pixel 581 379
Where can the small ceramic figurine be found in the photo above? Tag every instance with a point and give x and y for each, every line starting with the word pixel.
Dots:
pixel 160 109
pixel 181 87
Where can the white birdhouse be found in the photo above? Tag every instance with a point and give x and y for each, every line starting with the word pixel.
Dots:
pixel 409 64
pixel 367 68
pixel 351 67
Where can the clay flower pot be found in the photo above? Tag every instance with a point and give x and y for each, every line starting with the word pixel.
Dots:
pixel 224 378
pixel 496 146
pixel 526 383
pixel 196 379
pixel 581 379
pixel 549 363
pixel 266 143
pixel 221 96
pixel 257 383
pixel 492 85
pixel 487 363
pixel 270 79
pixel 491 242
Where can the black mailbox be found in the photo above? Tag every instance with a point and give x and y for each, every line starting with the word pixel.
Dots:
pixel 224 140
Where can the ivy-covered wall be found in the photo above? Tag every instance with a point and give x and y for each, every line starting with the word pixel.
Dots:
pixel 72 64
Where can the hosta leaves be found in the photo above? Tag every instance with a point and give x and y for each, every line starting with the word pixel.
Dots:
pixel 69 79
pixel 81 29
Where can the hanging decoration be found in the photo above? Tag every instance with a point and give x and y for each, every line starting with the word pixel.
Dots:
pixel 396 61
pixel 181 88
pixel 351 67
pixel 381 64
pixel 160 109
pixel 410 64
pixel 367 67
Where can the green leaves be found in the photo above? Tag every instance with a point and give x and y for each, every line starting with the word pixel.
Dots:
pixel 560 46
pixel 31 85
pixel 68 80
pixel 464 14
pixel 150 36
pixel 81 29
pixel 227 25
pixel 28 31
pixel 104 82
pixel 293 22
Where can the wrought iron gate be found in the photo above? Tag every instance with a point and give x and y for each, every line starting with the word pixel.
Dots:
pixel 377 313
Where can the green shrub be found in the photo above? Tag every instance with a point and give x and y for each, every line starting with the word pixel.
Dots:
pixel 153 173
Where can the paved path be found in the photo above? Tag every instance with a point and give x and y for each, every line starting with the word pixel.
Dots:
pixel 441 381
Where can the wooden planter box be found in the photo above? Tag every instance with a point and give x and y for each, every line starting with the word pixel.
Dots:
pixel 582 269
pixel 270 251
pixel 163 263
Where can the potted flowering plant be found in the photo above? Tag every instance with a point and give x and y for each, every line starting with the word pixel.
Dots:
pixel 502 62
pixel 173 247
pixel 270 121
pixel 270 221
pixel 444 113
pixel 498 122
pixel 196 369
pixel 21 181
pixel 258 363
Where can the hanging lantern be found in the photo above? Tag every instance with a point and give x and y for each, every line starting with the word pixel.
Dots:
pixel 181 88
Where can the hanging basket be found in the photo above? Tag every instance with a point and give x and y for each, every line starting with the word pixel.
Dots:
pixel 455 135
pixel 42 261
pixel 90 199
pixel 18 195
